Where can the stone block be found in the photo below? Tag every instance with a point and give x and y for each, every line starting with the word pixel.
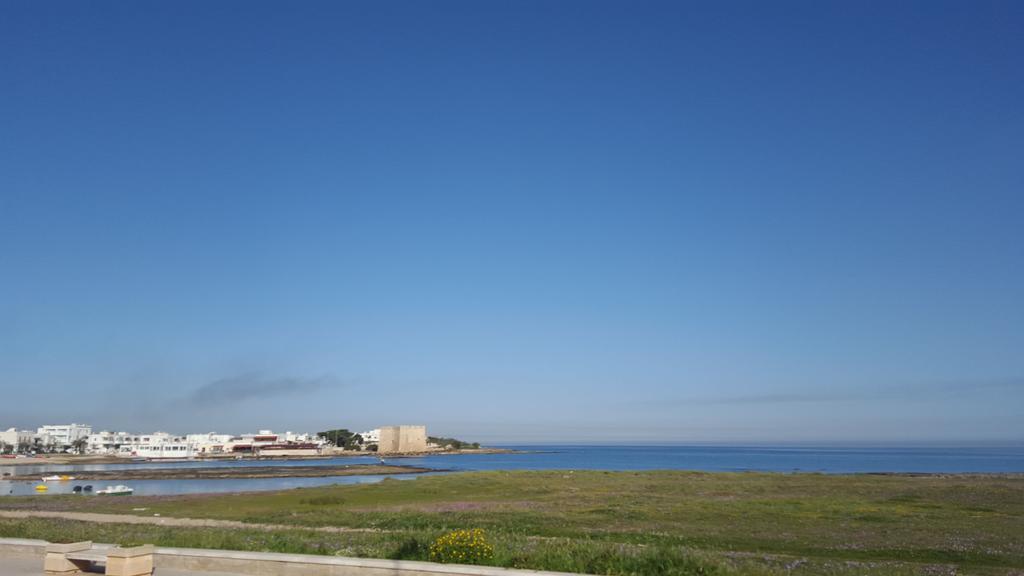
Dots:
pixel 135 561
pixel 56 561
pixel 69 547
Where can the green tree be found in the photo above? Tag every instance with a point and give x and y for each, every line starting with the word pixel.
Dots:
pixel 80 444
pixel 451 443
pixel 342 438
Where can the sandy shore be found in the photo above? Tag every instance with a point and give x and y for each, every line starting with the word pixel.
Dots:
pixel 62 459
pixel 65 459
pixel 223 472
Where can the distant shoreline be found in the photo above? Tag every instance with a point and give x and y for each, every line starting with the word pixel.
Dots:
pixel 233 472
pixel 72 459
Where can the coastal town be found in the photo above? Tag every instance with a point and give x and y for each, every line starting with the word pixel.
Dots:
pixel 81 439
pixel 726 288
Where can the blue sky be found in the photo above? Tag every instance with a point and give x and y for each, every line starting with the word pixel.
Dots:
pixel 516 221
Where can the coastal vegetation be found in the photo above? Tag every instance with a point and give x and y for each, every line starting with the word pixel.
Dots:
pixel 462 547
pixel 605 522
pixel 342 438
pixel 452 443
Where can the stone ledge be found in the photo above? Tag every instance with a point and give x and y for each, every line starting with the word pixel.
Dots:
pixel 397 567
pixel 22 547
pixel 69 547
pixel 23 542
pixel 197 560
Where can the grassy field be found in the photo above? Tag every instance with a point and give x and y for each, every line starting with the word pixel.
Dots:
pixel 609 522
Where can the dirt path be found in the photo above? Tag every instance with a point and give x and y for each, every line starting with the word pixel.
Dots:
pixel 166 521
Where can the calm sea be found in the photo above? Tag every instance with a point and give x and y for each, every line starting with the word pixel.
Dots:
pixel 830 460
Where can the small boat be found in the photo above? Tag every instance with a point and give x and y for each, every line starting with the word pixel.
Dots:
pixel 87 488
pixel 57 478
pixel 42 488
pixel 77 489
pixel 119 490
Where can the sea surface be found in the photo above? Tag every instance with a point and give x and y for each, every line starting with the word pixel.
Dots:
pixel 821 459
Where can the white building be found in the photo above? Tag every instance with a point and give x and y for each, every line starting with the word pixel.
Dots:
pixel 105 442
pixel 157 445
pixel 63 435
pixel 209 443
pixel 15 438
pixel 371 436
pixel 162 444
pixel 272 442
pixel 302 437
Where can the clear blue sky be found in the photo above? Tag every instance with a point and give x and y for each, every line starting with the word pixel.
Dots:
pixel 516 221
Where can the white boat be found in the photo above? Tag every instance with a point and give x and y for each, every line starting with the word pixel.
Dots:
pixel 119 490
pixel 57 478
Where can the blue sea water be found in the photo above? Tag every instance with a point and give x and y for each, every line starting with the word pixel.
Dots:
pixel 823 459
pixel 831 460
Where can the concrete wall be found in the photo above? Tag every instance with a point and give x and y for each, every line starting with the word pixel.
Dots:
pixel 23 547
pixel 272 564
pixel 402 439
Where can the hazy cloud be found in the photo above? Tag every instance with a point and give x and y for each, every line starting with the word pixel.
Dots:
pixel 1009 383
pixel 776 399
pixel 894 392
pixel 244 387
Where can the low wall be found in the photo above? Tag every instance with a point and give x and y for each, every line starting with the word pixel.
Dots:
pixel 22 547
pixel 274 564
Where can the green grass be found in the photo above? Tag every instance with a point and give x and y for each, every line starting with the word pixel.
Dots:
pixel 615 523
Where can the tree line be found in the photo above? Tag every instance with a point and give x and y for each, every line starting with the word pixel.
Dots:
pixel 452 443
pixel 345 439
pixel 37 446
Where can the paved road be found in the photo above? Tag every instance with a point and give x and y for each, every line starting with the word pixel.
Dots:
pixel 20 566
pixel 168 521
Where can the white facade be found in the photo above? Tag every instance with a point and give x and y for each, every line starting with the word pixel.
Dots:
pixel 13 437
pixel 157 445
pixel 161 449
pixel 63 435
pixel 270 437
pixel 105 442
pixel 209 443
pixel 302 437
pixel 371 436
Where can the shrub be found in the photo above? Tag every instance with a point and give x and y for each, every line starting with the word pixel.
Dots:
pixel 410 549
pixel 462 547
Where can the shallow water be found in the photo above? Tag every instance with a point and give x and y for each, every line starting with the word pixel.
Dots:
pixel 831 460
pixel 166 487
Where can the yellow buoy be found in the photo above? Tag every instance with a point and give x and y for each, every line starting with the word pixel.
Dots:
pixel 41 488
